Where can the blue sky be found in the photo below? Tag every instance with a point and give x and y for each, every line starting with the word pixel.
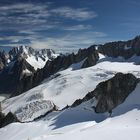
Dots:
pixel 67 25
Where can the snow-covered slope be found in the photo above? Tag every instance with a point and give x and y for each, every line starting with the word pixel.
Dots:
pixel 3 97
pixel 80 123
pixel 36 58
pixel 37 64
pixel 66 86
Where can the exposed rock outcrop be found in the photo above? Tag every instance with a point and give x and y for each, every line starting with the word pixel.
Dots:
pixel 9 118
pixel 3 59
pixel 11 77
pixel 90 56
pixel 125 49
pixel 1 116
pixel 111 93
pixel 1 65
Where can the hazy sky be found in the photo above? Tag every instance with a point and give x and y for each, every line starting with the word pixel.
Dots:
pixel 67 24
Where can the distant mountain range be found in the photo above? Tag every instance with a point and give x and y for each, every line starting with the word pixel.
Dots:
pixel 36 58
pixel 20 63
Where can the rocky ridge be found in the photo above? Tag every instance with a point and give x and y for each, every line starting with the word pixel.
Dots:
pixel 125 49
pixel 109 94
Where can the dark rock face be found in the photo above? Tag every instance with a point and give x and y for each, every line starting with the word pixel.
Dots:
pixel 90 56
pixel 1 116
pixel 9 118
pixel 114 91
pixel 11 77
pixel 111 93
pixel 91 60
pixel 125 49
pixel 3 59
pixel 1 65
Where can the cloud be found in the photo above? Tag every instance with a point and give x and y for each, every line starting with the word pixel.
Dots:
pixel 63 43
pixel 70 42
pixel 75 14
pixel 78 27
pixel 28 18
pixel 23 14
pixel 45 26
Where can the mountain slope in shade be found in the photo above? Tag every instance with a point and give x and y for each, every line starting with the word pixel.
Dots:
pixel 19 65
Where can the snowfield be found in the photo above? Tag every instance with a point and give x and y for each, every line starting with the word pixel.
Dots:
pixel 37 64
pixel 80 122
pixel 68 85
pixel 62 90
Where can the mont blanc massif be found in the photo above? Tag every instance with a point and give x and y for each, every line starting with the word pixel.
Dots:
pixel 93 93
